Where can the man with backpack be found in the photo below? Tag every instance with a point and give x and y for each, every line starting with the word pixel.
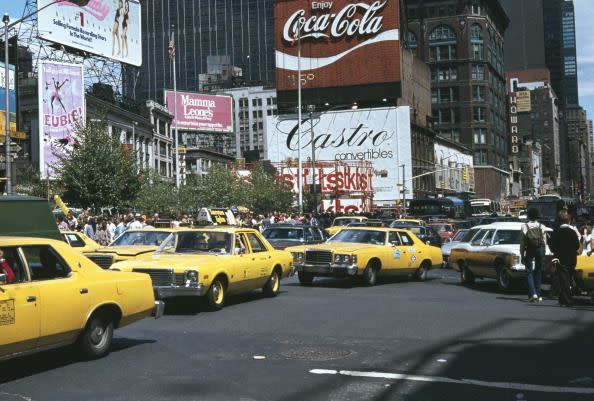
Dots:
pixel 532 251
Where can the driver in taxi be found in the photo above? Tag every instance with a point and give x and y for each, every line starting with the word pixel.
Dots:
pixel 6 269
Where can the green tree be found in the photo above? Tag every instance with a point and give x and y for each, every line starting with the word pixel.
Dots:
pixel 266 194
pixel 156 195
pixel 98 171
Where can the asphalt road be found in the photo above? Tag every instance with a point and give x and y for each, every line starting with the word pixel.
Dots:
pixel 400 340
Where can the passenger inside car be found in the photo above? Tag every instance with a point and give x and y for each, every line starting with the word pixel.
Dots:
pixel 5 268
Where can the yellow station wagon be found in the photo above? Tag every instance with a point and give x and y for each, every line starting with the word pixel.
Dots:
pixel 56 296
pixel 366 252
pixel 213 262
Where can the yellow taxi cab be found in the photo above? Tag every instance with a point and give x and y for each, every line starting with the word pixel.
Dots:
pixel 213 262
pixel 80 241
pixel 51 295
pixel 416 222
pixel 366 252
pixel 129 245
pixel 584 272
pixel 341 222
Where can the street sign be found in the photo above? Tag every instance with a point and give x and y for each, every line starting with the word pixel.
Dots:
pixel 14 147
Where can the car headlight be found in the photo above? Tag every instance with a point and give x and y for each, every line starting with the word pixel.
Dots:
pixel 516 260
pixel 345 259
pixel 191 276
pixel 297 257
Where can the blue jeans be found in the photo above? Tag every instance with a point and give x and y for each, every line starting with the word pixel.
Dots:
pixel 534 274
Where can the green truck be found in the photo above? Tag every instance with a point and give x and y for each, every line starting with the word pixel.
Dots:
pixel 27 216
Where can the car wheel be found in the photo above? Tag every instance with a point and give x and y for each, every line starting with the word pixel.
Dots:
pixel 370 275
pixel 504 278
pixel 305 278
pixel 216 295
pixel 422 272
pixel 466 275
pixel 272 286
pixel 96 338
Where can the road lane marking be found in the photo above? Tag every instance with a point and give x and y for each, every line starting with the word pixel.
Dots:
pixel 440 379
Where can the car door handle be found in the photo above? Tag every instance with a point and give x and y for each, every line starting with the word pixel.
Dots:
pixel 84 290
pixel 31 298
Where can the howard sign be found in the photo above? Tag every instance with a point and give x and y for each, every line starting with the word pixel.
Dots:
pixel 378 138
pixel 341 51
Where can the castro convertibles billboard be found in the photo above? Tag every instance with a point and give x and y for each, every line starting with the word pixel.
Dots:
pixel 380 136
pixel 200 112
pixel 349 51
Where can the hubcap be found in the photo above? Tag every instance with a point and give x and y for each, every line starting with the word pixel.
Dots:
pixel 97 334
pixel 274 279
pixel 218 292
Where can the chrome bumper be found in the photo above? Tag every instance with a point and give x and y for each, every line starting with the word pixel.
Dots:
pixel 159 309
pixel 173 291
pixel 330 269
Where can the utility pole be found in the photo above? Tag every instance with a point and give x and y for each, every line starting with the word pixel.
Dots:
pixel 403 190
pixel 8 188
pixel 310 109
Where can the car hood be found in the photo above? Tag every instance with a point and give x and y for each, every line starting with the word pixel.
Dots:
pixel 170 260
pixel 348 247
pixel 127 250
pixel 283 243
pixel 447 247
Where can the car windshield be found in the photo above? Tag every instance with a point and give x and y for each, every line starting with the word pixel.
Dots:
pixel 360 237
pixel 343 221
pixel 507 237
pixel 147 237
pixel 459 235
pixel 283 233
pixel 198 241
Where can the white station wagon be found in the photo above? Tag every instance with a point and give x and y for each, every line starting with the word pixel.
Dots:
pixel 493 252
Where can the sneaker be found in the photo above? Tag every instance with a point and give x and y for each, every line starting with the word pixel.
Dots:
pixel 539 299
pixel 534 298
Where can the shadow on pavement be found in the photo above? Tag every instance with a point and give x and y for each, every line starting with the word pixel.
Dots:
pixel 33 364
pixel 484 354
pixel 182 306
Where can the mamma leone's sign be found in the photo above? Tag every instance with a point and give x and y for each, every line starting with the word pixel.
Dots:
pixel 342 44
pixel 379 136
pixel 200 112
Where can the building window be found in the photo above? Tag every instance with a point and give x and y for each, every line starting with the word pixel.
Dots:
pixel 478 93
pixel 479 114
pixel 442 43
pixel 476 42
pixel 411 40
pixel 451 134
pixel 445 116
pixel 569 64
pixel 478 72
pixel 480 157
pixel 444 74
pixel 480 136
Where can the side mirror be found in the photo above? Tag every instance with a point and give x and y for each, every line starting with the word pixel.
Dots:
pixel 3 279
pixel 428 242
pixel 241 251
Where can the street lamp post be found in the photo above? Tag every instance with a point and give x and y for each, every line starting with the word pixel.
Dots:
pixel 299 165
pixel 8 189
pixel 311 109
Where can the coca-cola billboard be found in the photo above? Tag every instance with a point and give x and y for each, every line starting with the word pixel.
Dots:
pixel 200 112
pixel 346 50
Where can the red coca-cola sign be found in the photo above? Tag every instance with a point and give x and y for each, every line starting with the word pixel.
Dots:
pixel 330 45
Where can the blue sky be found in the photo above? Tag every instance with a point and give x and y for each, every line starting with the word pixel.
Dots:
pixel 584 11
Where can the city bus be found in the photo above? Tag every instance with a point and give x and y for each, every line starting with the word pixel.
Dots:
pixel 549 205
pixel 485 207
pixel 448 207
